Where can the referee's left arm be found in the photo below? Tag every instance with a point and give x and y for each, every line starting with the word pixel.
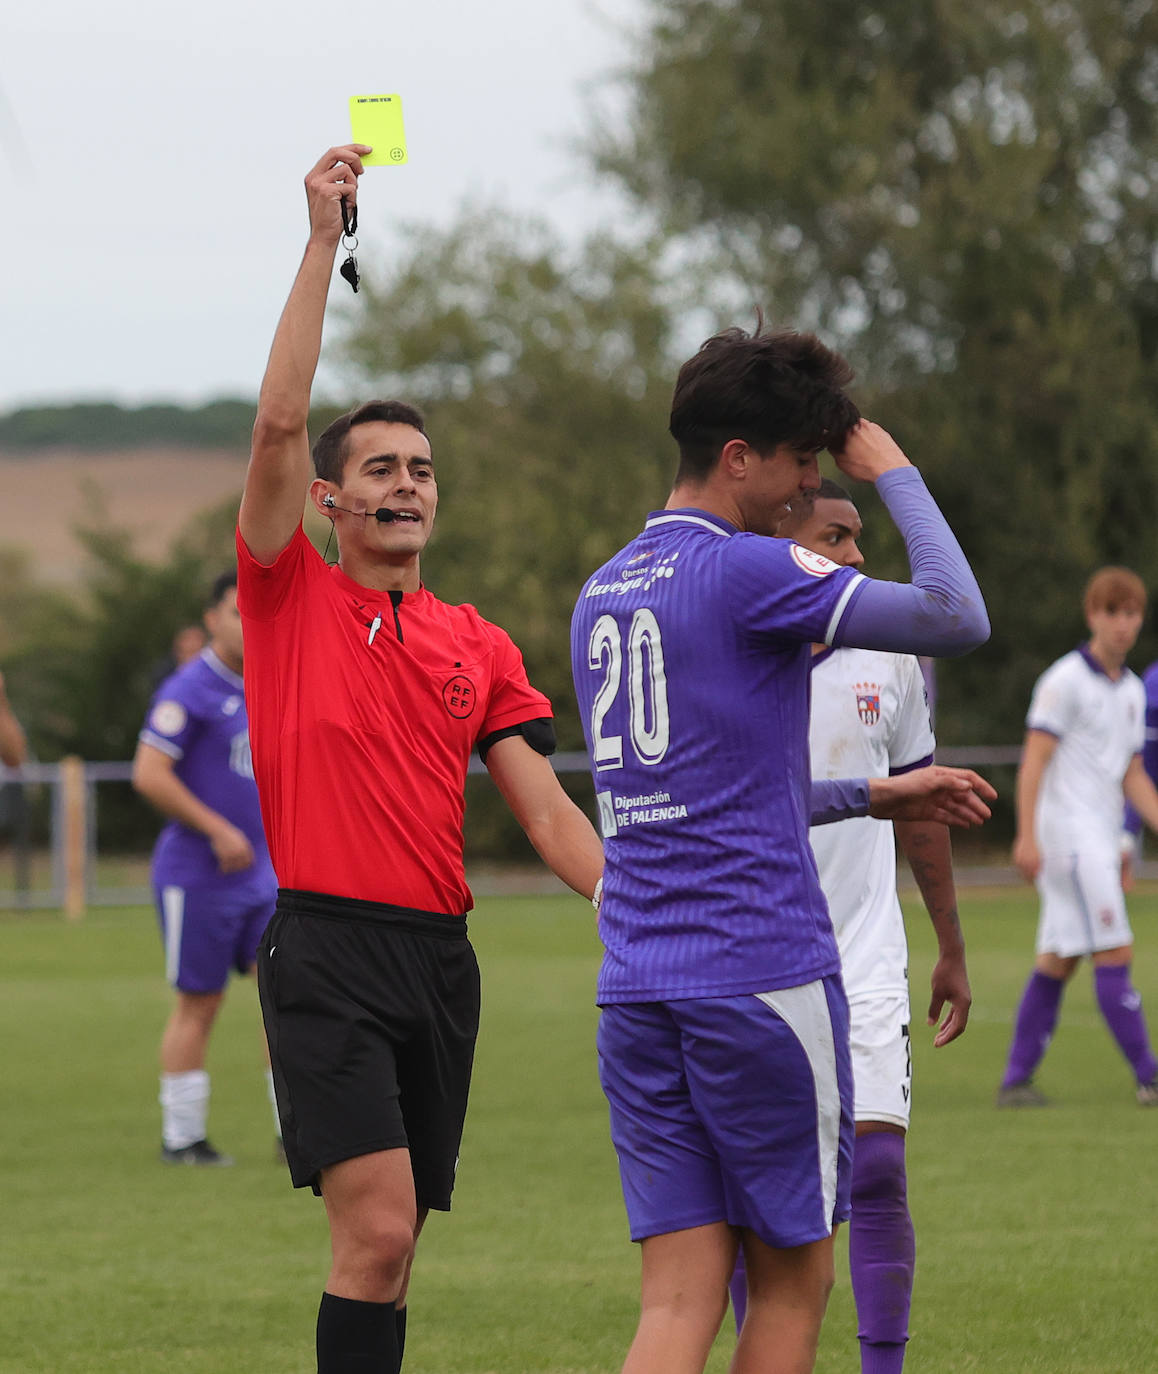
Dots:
pixel 562 835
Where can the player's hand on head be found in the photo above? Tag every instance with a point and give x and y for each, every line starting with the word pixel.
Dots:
pixel 950 983
pixel 332 179
pixel 231 849
pixel 1026 857
pixel 868 451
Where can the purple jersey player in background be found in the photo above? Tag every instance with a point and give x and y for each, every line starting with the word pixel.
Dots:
pixel 723 1042
pixel 1132 830
pixel 214 884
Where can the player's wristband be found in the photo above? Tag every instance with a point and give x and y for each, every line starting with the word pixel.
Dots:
pixel 1128 844
pixel 597 895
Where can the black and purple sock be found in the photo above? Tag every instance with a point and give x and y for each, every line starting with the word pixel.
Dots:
pixel 1033 1029
pixel 356 1337
pixel 881 1251
pixel 1121 1005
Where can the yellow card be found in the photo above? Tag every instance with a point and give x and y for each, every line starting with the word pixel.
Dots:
pixel 377 120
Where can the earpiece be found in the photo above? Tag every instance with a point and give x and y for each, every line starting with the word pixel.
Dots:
pixel 327 500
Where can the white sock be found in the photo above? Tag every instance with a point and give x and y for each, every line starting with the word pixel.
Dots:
pixel 273 1102
pixel 184 1107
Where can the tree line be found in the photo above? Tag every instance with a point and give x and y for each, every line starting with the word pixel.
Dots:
pixel 964 199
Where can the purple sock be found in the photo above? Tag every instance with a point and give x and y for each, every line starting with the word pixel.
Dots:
pixel 738 1287
pixel 881 1251
pixel 1033 1028
pixel 1122 1008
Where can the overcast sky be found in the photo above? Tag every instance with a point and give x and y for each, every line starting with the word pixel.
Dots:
pixel 152 155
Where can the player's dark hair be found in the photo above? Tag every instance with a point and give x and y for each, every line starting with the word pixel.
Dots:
pixel 831 491
pixel 330 449
pixel 221 584
pixel 767 389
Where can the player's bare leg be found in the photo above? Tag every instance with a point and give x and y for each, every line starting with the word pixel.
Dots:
pixel 787 1295
pixel 683 1297
pixel 373 1220
pixel 881 1246
pixel 373 1215
pixel 186 1036
pixel 184 1081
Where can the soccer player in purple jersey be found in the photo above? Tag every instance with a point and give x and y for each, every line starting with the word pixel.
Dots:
pixel 723 1041
pixel 214 884
pixel 1132 829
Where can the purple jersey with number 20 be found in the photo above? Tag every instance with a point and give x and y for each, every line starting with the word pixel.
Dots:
pixel 691 654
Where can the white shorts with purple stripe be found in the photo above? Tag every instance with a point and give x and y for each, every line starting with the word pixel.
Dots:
pixel 734 1109
pixel 1082 906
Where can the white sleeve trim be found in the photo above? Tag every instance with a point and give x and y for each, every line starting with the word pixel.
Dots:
pixel 840 607
pixel 166 746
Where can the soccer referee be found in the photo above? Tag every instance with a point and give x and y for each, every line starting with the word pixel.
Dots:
pixel 366 696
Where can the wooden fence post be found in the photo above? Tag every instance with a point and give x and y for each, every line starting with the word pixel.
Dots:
pixel 74 812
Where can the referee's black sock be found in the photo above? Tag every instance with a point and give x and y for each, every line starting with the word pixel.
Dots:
pixel 356 1337
pixel 400 1332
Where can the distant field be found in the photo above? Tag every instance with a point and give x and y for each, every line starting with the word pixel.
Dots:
pixel 153 492
pixel 1036 1231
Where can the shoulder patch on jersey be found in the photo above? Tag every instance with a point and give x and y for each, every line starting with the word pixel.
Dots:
pixel 168 718
pixel 814 564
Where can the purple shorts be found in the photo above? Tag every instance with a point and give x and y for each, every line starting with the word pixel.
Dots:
pixel 207 933
pixel 735 1109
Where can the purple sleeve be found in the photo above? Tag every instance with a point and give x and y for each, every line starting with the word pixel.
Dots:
pixel 942 611
pixel 174 717
pixel 1132 821
pixel 836 799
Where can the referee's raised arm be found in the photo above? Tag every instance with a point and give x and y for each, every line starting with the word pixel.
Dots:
pixel 279 465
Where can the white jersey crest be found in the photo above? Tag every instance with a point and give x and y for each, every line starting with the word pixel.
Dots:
pixel 869 718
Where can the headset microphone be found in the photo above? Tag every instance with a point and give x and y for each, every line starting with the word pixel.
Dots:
pixel 383 514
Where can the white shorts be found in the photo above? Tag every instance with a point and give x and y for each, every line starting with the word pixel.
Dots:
pixel 882 1059
pixel 1082 906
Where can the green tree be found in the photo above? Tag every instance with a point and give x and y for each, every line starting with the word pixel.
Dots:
pixel 964 198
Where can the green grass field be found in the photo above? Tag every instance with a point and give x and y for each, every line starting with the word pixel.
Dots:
pixel 1036 1231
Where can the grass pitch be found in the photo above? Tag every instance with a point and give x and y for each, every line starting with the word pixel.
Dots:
pixel 1036 1230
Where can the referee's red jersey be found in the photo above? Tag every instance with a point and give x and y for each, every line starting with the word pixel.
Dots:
pixel 362 718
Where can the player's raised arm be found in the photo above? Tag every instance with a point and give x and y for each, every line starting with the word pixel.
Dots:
pixel 942 612
pixel 279 466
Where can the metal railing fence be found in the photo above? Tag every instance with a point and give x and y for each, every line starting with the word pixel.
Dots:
pixel 75 880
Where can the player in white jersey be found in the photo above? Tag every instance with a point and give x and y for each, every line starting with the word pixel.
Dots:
pixel 870 717
pixel 1083 752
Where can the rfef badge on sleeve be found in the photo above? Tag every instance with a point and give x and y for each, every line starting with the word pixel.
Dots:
pixel 377 121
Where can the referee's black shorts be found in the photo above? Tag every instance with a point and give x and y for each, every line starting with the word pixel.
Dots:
pixel 371 1012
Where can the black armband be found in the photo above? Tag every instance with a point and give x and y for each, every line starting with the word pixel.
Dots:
pixel 539 734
